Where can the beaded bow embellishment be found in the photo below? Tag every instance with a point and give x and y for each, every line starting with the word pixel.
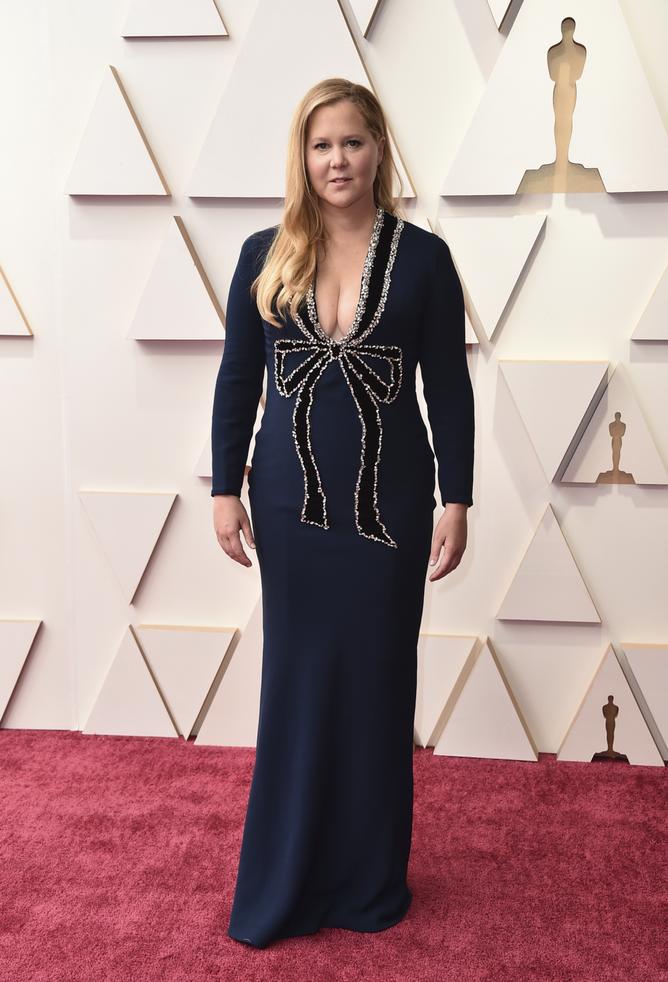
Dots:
pixel 367 388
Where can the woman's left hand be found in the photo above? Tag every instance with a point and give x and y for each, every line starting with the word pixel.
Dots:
pixel 450 533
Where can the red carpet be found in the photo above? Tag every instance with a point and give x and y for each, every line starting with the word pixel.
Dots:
pixel 118 858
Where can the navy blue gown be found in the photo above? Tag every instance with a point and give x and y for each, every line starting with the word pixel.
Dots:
pixel 341 493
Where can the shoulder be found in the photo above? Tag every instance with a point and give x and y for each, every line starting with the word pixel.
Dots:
pixel 262 239
pixel 256 245
pixel 254 248
pixel 429 245
pixel 263 235
pixel 429 252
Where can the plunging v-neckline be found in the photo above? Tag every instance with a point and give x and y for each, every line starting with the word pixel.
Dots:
pixel 366 272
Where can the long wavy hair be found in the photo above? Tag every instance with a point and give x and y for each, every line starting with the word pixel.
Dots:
pixel 290 263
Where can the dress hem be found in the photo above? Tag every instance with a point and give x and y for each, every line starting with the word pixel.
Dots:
pixel 336 925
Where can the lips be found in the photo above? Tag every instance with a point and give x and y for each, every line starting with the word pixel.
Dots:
pixel 340 180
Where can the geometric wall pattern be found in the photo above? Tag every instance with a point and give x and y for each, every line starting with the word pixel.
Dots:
pixel 184 662
pixel 441 659
pixel 482 717
pixel 617 446
pixel 160 680
pixel 649 664
pixel 233 714
pixel 608 724
pixel 555 400
pixel 280 45
pixel 16 638
pixel 490 254
pixel 653 324
pixel 127 526
pixel 499 9
pixel 129 701
pixel 178 302
pixel 114 156
pixel 13 322
pixel 173 18
pixel 616 128
pixel 548 585
pixel 364 12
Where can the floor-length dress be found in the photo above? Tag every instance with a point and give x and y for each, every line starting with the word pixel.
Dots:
pixel 341 494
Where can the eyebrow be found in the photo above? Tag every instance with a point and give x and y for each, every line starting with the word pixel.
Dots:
pixel 347 137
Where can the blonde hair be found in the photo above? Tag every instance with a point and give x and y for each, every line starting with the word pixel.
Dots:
pixel 290 263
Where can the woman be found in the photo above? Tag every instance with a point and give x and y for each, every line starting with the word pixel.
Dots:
pixel 340 303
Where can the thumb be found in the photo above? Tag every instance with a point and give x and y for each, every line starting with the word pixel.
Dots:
pixel 435 552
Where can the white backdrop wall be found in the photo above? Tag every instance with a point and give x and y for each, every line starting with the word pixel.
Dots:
pixel 86 408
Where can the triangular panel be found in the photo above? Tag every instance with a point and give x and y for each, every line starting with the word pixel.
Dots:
pixel 617 446
pixel 482 717
pixel 233 716
pixel 490 254
pixel 178 302
pixel 553 398
pixel 184 662
pixel 127 526
pixel 499 9
pixel 548 585
pixel 441 659
pixel 608 725
pixel 114 156
pixel 653 325
pixel 16 638
pixel 129 703
pixel 649 664
pixel 365 11
pixel 173 18
pixel 616 127
pixel 13 322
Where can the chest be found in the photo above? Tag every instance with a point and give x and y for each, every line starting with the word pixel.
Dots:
pixel 338 286
pixel 369 301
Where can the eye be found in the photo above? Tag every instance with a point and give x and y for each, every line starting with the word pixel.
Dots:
pixel 323 144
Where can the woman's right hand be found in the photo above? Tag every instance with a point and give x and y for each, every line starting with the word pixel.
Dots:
pixel 229 517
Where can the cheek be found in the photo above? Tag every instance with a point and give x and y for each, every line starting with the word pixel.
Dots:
pixel 368 161
pixel 316 165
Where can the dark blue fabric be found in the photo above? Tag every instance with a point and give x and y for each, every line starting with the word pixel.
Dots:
pixel 327 835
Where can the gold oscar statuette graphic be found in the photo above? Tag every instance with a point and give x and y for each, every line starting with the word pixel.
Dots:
pixel 610 713
pixel 565 63
pixel 617 430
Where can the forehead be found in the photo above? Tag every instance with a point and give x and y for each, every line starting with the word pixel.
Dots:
pixel 343 115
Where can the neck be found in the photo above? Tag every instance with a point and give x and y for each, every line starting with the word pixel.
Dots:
pixel 344 224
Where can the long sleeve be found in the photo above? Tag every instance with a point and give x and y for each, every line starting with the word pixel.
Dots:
pixel 446 381
pixel 239 381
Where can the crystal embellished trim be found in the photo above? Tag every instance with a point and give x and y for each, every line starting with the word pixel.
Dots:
pixel 367 388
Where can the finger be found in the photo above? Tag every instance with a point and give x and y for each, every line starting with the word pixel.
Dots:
pixel 449 561
pixel 435 551
pixel 435 568
pixel 447 567
pixel 234 548
pixel 248 532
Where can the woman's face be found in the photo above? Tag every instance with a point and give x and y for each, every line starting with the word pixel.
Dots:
pixel 338 144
